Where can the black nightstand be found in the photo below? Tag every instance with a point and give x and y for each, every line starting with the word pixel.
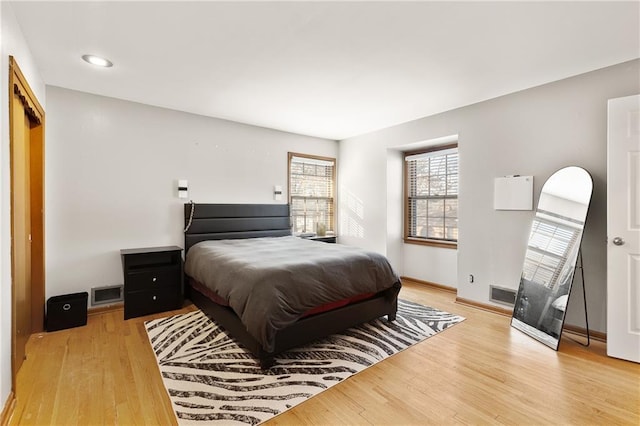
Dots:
pixel 325 239
pixel 152 280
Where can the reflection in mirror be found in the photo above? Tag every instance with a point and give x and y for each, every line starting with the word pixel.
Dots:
pixel 551 255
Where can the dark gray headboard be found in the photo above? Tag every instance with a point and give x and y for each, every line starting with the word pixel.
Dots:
pixel 231 221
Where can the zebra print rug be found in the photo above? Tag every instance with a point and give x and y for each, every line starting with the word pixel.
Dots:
pixel 210 379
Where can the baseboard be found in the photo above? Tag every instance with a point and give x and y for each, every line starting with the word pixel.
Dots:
pixel 7 411
pixel 582 332
pixel 460 300
pixel 430 284
pixel 102 309
pixel 567 328
pixel 484 306
pixel 579 331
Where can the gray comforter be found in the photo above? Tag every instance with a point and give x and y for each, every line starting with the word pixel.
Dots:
pixel 271 282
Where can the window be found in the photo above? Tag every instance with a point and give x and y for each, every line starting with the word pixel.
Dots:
pixel 431 196
pixel 311 193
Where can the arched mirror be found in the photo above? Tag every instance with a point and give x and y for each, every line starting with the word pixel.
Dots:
pixel 551 255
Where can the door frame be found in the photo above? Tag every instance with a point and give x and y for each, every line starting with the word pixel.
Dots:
pixel 18 85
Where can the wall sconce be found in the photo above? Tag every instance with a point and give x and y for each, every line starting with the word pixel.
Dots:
pixel 183 188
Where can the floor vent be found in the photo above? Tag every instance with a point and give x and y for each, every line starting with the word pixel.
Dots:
pixel 104 295
pixel 502 295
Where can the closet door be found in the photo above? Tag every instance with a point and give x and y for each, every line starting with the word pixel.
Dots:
pixel 26 130
pixel 623 229
pixel 21 227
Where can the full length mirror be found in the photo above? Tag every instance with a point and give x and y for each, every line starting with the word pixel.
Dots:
pixel 551 255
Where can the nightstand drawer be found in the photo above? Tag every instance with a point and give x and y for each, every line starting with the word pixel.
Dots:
pixel 139 303
pixel 153 279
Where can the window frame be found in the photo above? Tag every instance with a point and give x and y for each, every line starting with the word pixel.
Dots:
pixel 333 180
pixel 407 218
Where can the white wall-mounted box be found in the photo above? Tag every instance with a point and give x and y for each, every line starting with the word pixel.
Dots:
pixel 513 193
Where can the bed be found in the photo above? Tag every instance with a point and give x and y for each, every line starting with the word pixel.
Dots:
pixel 232 247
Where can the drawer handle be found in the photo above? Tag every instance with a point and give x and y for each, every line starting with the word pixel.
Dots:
pixel 154 279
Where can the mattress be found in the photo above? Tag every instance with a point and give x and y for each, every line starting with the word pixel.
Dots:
pixel 272 282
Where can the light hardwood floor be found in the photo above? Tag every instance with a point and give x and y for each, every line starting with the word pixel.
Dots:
pixel 480 371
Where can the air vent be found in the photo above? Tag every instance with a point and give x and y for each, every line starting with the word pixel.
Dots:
pixel 502 295
pixel 105 295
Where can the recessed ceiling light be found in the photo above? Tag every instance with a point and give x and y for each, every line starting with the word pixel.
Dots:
pixel 97 60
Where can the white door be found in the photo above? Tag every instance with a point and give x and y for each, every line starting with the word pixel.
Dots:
pixel 623 229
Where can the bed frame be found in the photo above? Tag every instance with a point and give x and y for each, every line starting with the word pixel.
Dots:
pixel 231 221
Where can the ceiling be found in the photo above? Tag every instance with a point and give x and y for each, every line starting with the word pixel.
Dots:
pixel 326 69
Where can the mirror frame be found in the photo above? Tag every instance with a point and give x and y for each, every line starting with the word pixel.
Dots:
pixel 548 292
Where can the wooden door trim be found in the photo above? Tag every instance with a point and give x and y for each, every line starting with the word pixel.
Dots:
pixel 19 86
pixel 9 408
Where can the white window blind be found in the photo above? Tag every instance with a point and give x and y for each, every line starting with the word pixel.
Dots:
pixel 549 247
pixel 432 195
pixel 311 192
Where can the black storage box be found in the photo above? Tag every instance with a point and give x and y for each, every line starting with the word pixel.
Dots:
pixel 67 311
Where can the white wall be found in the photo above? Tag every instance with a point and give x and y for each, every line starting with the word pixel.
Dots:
pixel 111 178
pixel 370 218
pixel 13 43
pixel 394 194
pixel 432 264
pixel 532 132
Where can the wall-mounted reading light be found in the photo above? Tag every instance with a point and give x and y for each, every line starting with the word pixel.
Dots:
pixel 97 61
pixel 183 188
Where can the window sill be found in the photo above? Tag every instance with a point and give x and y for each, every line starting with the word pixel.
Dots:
pixel 432 243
